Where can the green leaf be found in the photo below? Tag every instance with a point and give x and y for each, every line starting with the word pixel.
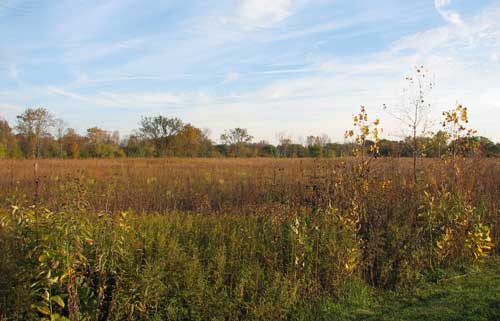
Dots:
pixel 42 308
pixel 57 299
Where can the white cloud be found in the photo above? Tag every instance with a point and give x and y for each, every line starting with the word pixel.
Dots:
pixel 328 97
pixel 265 13
pixel 449 15
pixel 326 93
pixel 306 98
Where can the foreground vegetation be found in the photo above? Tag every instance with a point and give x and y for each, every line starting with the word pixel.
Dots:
pixel 191 267
pixel 259 239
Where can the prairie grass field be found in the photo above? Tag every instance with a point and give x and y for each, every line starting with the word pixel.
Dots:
pixel 249 239
pixel 249 160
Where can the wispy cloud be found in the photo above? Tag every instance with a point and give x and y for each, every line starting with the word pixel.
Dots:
pixel 117 99
pixel 65 93
pixel 343 83
pixel 265 13
pixel 85 51
pixel 447 14
pixel 269 65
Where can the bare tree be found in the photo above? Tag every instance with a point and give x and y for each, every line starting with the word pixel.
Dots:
pixel 322 140
pixel 414 111
pixel 236 139
pixel 284 142
pixel 236 136
pixel 60 128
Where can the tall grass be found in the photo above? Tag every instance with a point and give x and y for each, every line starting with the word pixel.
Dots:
pixel 236 239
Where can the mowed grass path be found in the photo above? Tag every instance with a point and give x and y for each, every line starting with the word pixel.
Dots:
pixel 472 296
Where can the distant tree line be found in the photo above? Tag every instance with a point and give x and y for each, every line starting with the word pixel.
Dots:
pixel 38 134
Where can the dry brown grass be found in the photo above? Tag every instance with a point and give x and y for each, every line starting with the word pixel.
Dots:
pixel 214 185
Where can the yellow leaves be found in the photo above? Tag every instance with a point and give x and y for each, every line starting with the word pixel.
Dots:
pixel 455 123
pixel 349 133
pixel 456 117
pixel 479 241
pixel 444 244
pixel 365 131
pixel 295 226
pixel 352 259
pixel 463 115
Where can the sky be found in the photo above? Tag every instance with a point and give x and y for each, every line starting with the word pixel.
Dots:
pixel 275 67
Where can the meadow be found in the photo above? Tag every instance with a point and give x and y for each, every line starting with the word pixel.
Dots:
pixel 249 239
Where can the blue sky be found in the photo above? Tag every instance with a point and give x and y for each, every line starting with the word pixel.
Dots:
pixel 295 67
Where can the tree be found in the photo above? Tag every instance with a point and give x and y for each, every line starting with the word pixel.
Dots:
pixel 237 139
pixel 161 131
pixel 60 127
pixel 6 133
pixel 316 145
pixel 7 140
pixel 288 148
pixel 191 142
pixel 265 149
pixel 486 147
pixel 33 125
pixel 72 143
pixel 101 143
pixel 136 146
pixel 284 142
pixel 414 110
pixel 438 144
pixel 236 136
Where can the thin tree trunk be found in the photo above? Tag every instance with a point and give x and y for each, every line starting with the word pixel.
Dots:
pixel 35 171
pixel 415 154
